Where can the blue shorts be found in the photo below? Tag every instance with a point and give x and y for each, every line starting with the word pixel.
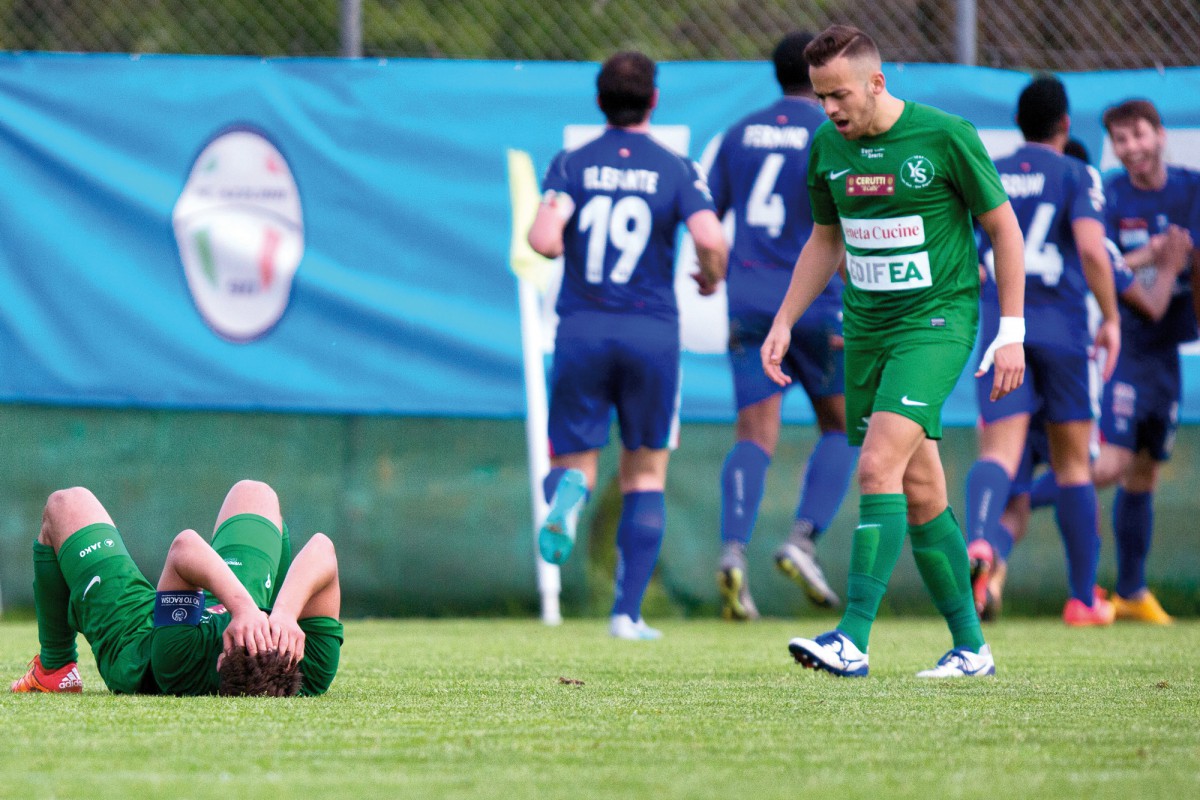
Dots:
pixel 1130 420
pixel 1140 406
pixel 811 360
pixel 1057 381
pixel 604 361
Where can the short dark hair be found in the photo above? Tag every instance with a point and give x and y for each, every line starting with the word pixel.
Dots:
pixel 791 67
pixel 839 40
pixel 1076 149
pixel 1129 112
pixel 264 674
pixel 1041 107
pixel 625 87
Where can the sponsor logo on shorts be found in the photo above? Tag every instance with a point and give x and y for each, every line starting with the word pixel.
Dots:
pixel 905 401
pixel 889 273
pixel 917 172
pixel 891 232
pixel 858 185
pixel 94 546
pixel 95 580
pixel 1124 399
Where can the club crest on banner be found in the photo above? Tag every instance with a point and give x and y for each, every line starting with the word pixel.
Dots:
pixel 239 227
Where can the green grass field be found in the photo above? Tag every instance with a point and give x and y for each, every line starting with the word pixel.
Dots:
pixel 479 708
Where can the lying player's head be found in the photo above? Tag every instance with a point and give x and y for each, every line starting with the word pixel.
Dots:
pixel 264 674
pixel 1138 137
pixel 625 89
pixel 1042 109
pixel 791 67
pixel 847 76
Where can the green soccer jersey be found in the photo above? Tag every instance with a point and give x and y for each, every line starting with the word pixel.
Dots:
pixel 905 201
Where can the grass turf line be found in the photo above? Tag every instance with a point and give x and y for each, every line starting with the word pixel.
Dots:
pixel 476 708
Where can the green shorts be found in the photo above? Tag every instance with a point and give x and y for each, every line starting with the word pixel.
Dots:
pixel 908 374
pixel 185 656
pixel 112 605
pixel 251 546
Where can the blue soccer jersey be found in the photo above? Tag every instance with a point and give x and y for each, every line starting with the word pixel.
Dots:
pixel 1049 192
pixel 1132 217
pixel 630 193
pixel 760 174
pixel 1140 406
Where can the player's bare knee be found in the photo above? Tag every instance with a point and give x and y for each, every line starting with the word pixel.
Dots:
pixel 324 542
pixel 250 497
pixel 877 474
pixel 66 511
pixel 251 491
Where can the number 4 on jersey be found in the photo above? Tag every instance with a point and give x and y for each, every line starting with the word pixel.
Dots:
pixel 764 207
pixel 1042 258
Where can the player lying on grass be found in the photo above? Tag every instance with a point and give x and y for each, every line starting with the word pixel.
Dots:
pixel 268 625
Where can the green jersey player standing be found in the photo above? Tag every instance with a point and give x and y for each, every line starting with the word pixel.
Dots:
pixel 895 188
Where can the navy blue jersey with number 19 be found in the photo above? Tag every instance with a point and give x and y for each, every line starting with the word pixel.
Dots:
pixel 630 193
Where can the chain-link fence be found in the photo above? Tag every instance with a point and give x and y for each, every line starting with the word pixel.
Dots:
pixel 1031 34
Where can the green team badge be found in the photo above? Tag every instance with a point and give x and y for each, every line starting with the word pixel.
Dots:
pixel 917 172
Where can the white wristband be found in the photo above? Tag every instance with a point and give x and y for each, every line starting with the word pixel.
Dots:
pixel 1011 331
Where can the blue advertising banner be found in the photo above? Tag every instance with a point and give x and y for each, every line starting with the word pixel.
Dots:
pixel 333 236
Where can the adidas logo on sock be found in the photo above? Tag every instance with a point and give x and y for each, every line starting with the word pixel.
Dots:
pixel 71 680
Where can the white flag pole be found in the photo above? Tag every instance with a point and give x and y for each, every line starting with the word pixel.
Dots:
pixel 528 267
pixel 537 444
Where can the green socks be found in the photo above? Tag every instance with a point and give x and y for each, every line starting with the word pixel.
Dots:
pixel 941 556
pixel 875 549
pixel 52 598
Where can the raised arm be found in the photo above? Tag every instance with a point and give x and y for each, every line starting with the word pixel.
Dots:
pixel 819 259
pixel 1152 301
pixel 191 565
pixel 311 589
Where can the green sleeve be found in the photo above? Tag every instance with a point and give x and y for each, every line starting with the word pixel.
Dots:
pixel 974 173
pixel 824 210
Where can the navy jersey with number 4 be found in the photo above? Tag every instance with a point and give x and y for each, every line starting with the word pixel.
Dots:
pixel 1049 192
pixel 630 193
pixel 760 173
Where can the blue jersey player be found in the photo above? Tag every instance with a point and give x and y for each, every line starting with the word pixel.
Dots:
pixel 1026 493
pixel 759 177
pixel 611 209
pixel 1059 204
pixel 1154 217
